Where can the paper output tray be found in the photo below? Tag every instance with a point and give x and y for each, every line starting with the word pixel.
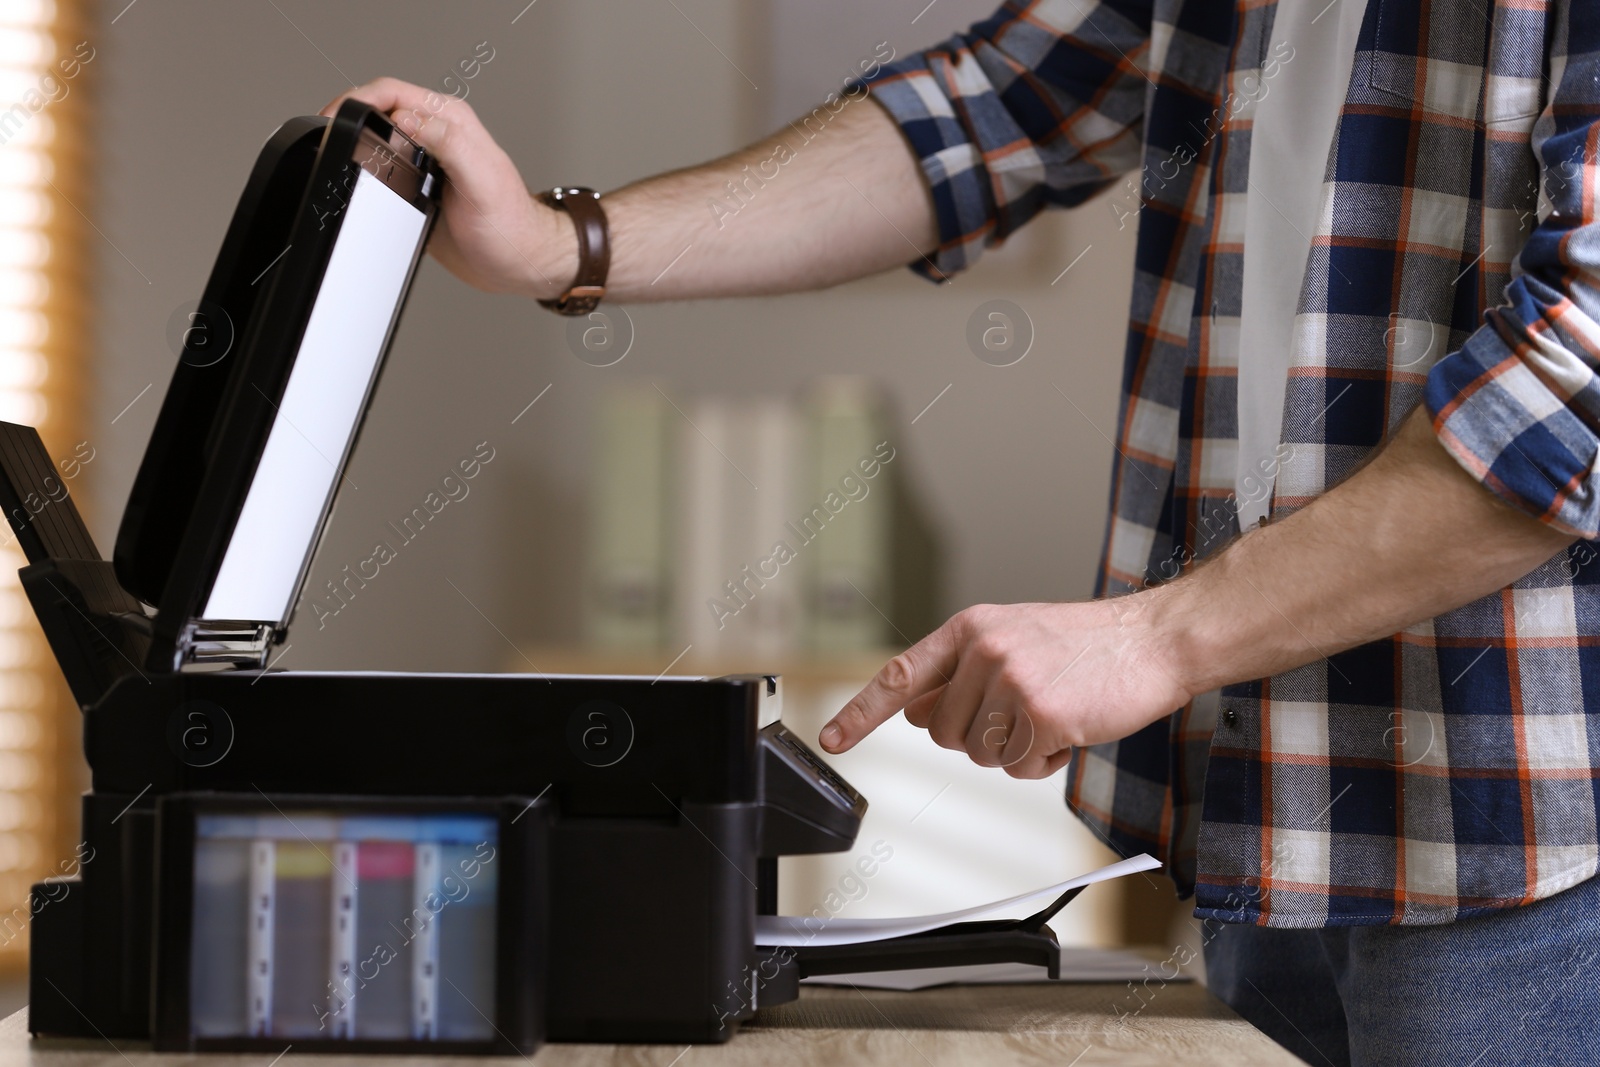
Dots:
pixel 1026 940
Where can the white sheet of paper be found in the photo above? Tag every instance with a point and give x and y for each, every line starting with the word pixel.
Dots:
pixel 1077 965
pixel 798 930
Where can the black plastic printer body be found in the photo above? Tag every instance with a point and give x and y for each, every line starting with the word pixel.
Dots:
pixel 380 861
pixel 646 814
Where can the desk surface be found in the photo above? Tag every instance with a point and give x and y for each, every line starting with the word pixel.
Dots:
pixel 1068 1025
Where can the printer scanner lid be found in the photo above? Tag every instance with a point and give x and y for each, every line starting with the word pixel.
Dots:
pixel 277 366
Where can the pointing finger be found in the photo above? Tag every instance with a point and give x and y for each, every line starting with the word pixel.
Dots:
pixel 919 670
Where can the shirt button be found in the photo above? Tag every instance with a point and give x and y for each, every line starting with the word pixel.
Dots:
pixel 1230 718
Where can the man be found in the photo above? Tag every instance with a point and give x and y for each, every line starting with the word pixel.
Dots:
pixel 1392 692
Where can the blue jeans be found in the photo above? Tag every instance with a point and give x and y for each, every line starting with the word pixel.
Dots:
pixel 1518 987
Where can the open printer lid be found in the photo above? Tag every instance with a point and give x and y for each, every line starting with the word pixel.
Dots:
pixel 277 366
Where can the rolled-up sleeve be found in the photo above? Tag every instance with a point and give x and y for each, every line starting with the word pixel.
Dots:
pixel 1518 405
pixel 1041 104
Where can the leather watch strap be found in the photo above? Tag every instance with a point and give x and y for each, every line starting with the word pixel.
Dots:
pixel 594 249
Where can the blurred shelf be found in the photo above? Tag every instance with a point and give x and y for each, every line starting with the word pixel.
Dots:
pixel 798 668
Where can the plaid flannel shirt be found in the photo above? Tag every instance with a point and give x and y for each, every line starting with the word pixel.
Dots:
pixel 1448 770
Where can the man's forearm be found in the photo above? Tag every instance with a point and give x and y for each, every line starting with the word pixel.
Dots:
pixel 835 195
pixel 809 207
pixel 1408 537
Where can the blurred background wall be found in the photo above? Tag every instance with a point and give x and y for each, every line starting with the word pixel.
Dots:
pixel 1011 463
pixel 598 93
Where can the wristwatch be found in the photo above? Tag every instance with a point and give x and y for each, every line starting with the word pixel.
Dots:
pixel 594 249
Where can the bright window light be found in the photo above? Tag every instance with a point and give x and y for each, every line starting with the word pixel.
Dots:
pixel 44 260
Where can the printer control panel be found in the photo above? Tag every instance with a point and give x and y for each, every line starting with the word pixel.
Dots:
pixel 809 807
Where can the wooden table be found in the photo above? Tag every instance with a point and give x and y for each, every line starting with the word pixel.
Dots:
pixel 1068 1025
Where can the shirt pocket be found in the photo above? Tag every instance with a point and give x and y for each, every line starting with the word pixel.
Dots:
pixel 1455 77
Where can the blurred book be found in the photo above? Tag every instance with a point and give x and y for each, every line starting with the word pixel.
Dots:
pixel 849 516
pixel 872 580
pixel 626 588
pixel 737 483
pixel 776 437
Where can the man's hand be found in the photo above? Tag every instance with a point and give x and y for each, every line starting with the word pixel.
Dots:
pixel 1408 537
pixel 491 233
pixel 1019 686
pixel 836 196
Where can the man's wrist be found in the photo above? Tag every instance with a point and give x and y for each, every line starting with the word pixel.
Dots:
pixel 1234 618
pixel 1191 641
pixel 553 261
